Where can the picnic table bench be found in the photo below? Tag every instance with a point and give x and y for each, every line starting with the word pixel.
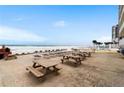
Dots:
pixel 34 71
pixel 42 68
pixel 83 56
pixel 87 54
pixel 67 58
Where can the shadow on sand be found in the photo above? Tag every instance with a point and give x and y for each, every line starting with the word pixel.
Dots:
pixel 72 64
pixel 37 81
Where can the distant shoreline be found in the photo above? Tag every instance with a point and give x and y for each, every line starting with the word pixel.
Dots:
pixel 32 48
pixel 39 45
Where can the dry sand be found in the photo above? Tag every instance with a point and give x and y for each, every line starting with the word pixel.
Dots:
pixel 100 70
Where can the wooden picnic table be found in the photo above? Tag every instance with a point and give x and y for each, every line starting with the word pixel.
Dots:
pixel 77 59
pixel 41 68
pixel 46 62
pixel 82 55
pixel 87 54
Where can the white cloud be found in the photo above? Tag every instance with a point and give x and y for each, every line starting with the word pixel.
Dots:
pixel 104 39
pixel 14 34
pixel 59 23
pixel 19 19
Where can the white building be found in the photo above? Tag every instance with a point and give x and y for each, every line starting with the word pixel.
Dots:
pixel 121 28
pixel 115 36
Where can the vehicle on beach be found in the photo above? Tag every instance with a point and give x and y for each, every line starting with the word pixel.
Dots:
pixel 5 53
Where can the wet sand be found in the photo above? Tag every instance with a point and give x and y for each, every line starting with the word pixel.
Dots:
pixel 100 70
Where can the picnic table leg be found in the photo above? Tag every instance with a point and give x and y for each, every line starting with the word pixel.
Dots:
pixel 78 60
pixel 56 70
pixel 34 65
pixel 84 56
pixel 62 60
pixel 47 70
pixel 89 54
pixel 67 58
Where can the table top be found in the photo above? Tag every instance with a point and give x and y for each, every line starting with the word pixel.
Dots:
pixel 47 62
pixel 75 56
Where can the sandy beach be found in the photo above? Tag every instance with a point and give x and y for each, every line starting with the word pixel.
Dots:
pixel 100 70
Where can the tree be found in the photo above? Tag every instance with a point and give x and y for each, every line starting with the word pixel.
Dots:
pixel 94 42
pixel 108 43
pixel 99 43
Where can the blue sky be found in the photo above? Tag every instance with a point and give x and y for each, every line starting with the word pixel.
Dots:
pixel 73 25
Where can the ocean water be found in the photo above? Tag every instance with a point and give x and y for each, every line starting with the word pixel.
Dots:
pixel 31 49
